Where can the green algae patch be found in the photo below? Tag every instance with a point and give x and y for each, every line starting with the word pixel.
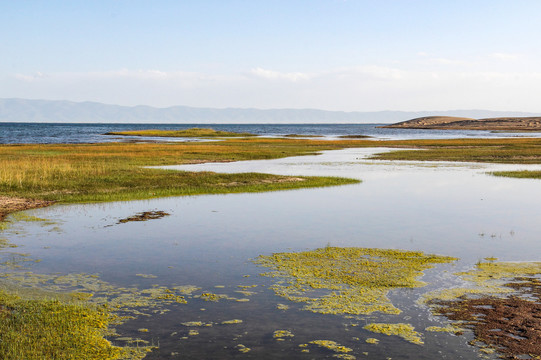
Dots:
pixel 37 328
pixel 344 356
pixel 334 280
pixel 280 335
pixel 331 345
pixel 448 328
pixel 405 331
pixel 242 348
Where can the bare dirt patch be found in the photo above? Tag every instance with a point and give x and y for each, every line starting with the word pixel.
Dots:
pixel 13 204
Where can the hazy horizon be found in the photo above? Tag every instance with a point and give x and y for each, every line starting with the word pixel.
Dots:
pixel 331 55
pixel 61 111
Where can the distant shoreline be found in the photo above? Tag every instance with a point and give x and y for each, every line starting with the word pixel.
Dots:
pixel 524 124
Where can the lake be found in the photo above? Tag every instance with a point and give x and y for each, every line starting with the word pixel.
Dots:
pixel 453 209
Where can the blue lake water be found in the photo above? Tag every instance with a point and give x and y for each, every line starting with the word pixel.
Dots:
pixel 454 209
pixel 11 133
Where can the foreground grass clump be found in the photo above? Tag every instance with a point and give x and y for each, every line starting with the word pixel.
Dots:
pixel 115 171
pixel 194 132
pixel 52 329
pixel 356 280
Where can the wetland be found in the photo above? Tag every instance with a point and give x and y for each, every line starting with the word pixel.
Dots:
pixel 355 271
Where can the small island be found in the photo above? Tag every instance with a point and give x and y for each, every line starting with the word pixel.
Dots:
pixel 460 123
pixel 193 132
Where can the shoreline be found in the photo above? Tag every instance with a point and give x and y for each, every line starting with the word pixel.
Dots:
pixel 10 205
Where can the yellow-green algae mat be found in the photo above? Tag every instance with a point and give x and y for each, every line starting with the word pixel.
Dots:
pixel 355 281
pixel 48 324
pixel 53 328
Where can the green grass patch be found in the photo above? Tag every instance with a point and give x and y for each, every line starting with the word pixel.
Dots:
pixel 115 171
pixel 194 132
pixel 508 151
pixel 523 174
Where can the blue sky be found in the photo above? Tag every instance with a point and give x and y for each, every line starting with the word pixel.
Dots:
pixel 326 54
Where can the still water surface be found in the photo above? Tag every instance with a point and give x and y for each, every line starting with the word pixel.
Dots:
pixel 443 208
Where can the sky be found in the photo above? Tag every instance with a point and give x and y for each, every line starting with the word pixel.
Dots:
pixel 344 55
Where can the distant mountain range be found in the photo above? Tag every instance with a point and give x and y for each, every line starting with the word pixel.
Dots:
pixel 59 111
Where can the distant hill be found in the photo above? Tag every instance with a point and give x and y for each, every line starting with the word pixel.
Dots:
pixel 58 111
pixel 529 123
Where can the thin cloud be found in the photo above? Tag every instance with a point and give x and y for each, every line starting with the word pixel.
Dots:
pixel 276 75
pixel 29 78
pixel 505 56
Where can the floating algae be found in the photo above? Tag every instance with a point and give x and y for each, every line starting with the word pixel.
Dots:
pixel 230 322
pixel 146 276
pixel 372 341
pixel 405 331
pixel 344 356
pixel 355 280
pixel 447 329
pixel 502 307
pixel 193 323
pixel 73 329
pixel 331 345
pixel 68 316
pixel 242 348
pixel 279 335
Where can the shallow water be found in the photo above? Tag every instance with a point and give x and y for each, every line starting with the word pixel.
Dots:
pixel 208 241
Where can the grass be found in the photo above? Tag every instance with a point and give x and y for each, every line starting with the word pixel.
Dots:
pixel 508 151
pixel 524 174
pixel 115 171
pixel 194 132
pixel 54 329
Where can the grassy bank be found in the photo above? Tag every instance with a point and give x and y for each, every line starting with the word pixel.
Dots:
pixel 114 171
pixel 508 151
